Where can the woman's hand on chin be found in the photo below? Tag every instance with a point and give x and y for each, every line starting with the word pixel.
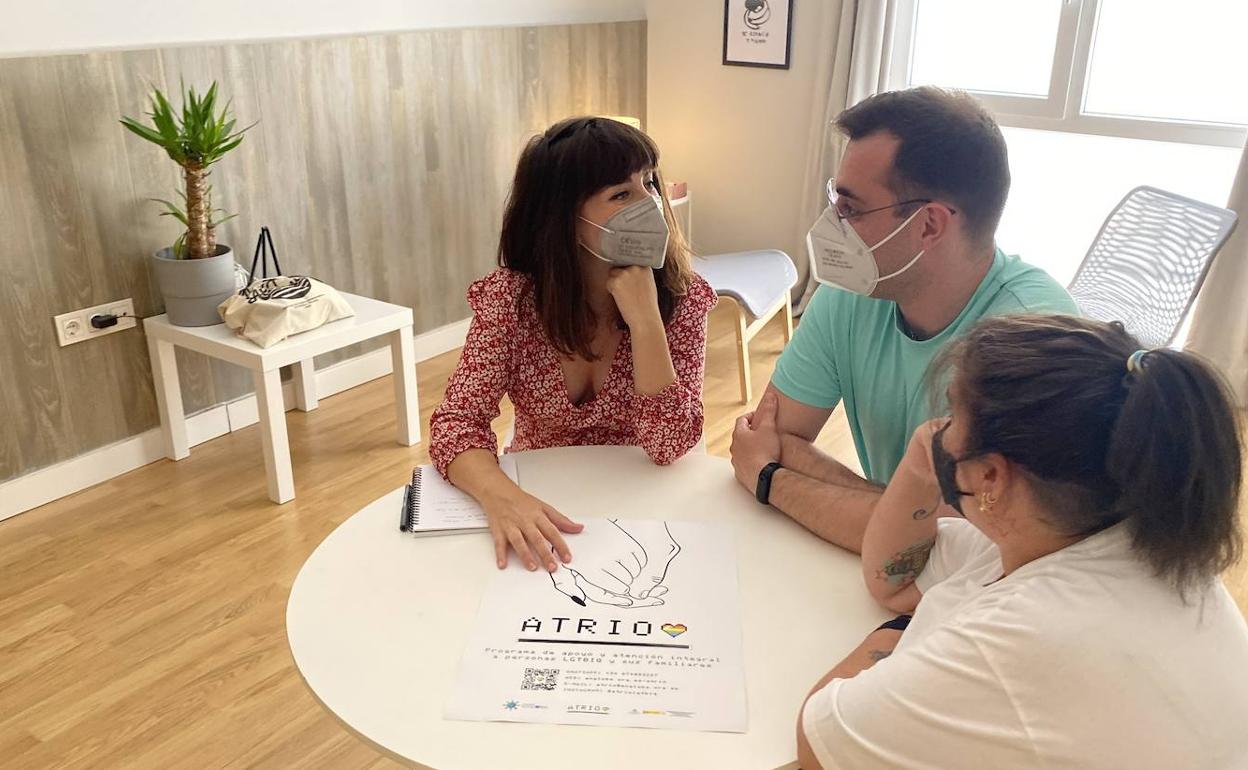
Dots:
pixel 635 294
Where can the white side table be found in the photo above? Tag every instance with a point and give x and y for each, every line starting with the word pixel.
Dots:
pixel 372 318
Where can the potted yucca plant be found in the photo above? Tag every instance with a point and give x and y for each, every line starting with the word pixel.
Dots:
pixel 196 273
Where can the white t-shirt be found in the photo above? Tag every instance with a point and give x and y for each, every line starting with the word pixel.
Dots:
pixel 1079 659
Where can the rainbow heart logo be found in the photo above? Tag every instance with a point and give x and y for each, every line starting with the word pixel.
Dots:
pixel 674 629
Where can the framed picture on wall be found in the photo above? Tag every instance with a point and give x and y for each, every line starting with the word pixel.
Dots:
pixel 757 33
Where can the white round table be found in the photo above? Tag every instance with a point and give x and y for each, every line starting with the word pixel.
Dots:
pixel 377 621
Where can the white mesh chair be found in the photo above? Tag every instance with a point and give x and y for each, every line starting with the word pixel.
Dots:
pixel 1148 262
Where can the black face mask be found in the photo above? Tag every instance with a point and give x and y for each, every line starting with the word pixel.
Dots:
pixel 946 466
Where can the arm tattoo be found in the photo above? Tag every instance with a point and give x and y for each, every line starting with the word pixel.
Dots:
pixel 923 513
pixel 906 565
pixel 877 655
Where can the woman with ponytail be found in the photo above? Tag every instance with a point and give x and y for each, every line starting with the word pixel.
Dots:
pixel 1058 538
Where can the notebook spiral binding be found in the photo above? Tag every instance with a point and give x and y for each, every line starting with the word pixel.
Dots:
pixel 411 504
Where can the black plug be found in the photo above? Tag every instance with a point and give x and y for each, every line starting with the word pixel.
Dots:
pixel 103 320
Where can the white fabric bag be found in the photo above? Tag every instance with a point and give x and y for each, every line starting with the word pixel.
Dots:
pixel 269 310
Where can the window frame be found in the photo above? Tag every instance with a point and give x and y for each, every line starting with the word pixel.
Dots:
pixel 1063 108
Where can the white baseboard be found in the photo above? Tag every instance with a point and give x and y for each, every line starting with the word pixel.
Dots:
pixel 441 340
pixel 204 426
pixel 86 470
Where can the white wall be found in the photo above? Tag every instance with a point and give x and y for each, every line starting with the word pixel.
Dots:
pixel 46 26
pixel 737 135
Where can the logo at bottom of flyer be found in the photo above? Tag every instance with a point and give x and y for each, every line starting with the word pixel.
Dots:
pixel 660 713
pixel 513 705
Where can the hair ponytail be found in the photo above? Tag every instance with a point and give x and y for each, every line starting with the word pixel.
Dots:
pixel 1175 456
pixel 1106 434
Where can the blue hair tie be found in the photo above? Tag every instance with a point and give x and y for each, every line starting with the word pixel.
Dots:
pixel 1135 361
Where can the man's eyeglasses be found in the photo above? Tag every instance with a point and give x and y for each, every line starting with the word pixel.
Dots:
pixel 847 211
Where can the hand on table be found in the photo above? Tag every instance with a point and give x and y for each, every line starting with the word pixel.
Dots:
pixel 531 527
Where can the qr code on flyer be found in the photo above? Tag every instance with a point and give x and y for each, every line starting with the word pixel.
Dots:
pixel 540 679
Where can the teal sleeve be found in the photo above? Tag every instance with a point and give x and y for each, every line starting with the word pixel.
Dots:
pixel 807 369
pixel 1045 296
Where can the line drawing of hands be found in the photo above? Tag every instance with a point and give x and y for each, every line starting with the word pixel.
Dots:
pixel 628 571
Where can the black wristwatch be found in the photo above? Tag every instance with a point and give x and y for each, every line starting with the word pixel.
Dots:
pixel 898 623
pixel 762 490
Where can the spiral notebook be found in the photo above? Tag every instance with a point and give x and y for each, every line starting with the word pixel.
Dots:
pixel 433 506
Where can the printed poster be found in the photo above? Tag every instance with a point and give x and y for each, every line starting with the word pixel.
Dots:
pixel 642 629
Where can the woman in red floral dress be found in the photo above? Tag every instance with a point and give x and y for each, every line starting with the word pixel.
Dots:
pixel 594 325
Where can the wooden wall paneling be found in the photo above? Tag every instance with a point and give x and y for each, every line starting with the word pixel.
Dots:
pixel 18 301
pixel 632 90
pixel 444 133
pixel 127 252
pixel 381 163
pixel 373 203
pixel 329 96
pixel 348 108
pixel 577 69
pixel 546 68
pixel 280 181
pixel 332 151
pixel 489 147
pixel 243 181
pixel 413 243
pixel 280 82
pixel 76 172
pixel 610 59
pixel 16 420
pixel 33 149
pixel 98 148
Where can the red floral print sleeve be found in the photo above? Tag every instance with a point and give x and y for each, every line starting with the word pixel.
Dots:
pixel 462 421
pixel 669 423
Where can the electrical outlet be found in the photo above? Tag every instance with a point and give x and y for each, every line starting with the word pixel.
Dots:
pixel 76 326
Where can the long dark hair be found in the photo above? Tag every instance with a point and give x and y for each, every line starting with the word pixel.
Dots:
pixel 558 171
pixel 1157 446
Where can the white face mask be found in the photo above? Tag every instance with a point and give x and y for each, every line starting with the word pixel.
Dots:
pixel 839 257
pixel 634 235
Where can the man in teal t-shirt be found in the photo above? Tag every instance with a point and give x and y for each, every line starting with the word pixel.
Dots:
pixel 855 350
pixel 907 247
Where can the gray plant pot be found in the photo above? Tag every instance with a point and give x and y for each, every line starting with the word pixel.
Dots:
pixel 192 288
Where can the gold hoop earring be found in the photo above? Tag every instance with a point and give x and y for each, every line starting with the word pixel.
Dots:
pixel 986 502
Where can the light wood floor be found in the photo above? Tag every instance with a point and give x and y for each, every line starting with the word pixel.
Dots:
pixel 142 620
